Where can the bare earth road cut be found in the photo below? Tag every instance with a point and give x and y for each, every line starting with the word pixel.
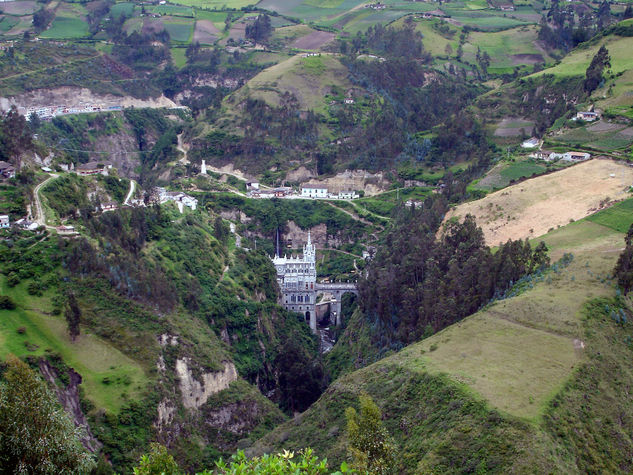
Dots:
pixel 533 207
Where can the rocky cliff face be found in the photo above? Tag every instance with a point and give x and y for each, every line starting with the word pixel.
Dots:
pixel 195 393
pixel 69 398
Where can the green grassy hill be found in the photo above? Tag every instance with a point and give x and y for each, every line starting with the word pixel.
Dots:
pixel 310 79
pixel 499 391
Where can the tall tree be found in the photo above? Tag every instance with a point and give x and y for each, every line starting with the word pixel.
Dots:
pixel 73 316
pixel 624 267
pixel 593 75
pixel 260 30
pixel 371 447
pixel 36 435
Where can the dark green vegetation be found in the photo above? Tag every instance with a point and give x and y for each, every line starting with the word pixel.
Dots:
pixel 268 216
pixel 416 285
pixel 37 436
pixel 141 274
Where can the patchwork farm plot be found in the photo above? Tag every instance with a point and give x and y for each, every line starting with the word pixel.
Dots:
pixel 603 136
pixel 506 172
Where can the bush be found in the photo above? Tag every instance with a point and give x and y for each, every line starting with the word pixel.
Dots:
pixel 6 303
pixel 34 288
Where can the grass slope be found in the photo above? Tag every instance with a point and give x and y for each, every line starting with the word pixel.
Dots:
pixel 576 63
pixel 92 357
pixel 308 78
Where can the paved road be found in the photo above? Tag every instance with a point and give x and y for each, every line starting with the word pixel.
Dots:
pixel 40 216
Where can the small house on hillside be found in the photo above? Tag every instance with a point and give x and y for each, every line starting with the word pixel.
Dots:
pixel 531 143
pixel 587 116
pixel 7 170
pixel 109 206
pixel 93 168
pixel 4 221
pixel 576 156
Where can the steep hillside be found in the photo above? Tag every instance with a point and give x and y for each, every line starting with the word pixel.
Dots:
pixel 499 391
pixel 155 291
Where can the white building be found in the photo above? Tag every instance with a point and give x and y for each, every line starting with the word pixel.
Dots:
pixel 347 195
pixel 587 116
pixel 313 192
pixel 576 156
pixel 4 221
pixel 530 143
pixel 296 277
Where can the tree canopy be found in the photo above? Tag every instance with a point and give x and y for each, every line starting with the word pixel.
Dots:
pixel 36 435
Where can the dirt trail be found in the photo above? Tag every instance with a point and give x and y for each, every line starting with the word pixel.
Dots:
pixel 181 148
pixel 40 217
pixel 350 214
pixel 131 192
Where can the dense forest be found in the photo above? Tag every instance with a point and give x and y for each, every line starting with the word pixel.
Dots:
pixel 418 285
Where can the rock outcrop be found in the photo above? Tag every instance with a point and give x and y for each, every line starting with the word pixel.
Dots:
pixel 195 393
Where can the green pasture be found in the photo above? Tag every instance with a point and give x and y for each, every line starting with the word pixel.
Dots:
pixel 576 63
pixel 8 22
pixel 434 41
pixel 66 27
pixel 309 79
pixel 217 4
pixel 485 20
pixel 124 8
pixel 179 31
pixel 501 46
pixel 519 352
pixel 178 57
pixel 618 217
pixel 175 10
pixel 614 138
pixel 502 174
pixel 109 377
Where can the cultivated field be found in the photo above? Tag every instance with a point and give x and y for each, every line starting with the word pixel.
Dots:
pixel 206 33
pixel 533 207
pixel 503 173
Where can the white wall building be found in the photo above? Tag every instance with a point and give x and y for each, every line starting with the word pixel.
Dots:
pixel 4 221
pixel 313 192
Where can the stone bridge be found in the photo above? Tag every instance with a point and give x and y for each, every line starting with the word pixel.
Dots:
pixel 336 289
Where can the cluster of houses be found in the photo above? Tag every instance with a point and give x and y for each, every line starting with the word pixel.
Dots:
pixel 308 191
pixel 54 111
pixel 376 6
pixel 255 191
pixel 566 157
pixel 181 199
pixel 93 168
pixel 7 170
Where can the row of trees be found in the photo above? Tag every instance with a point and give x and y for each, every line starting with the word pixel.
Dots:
pixel 418 284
